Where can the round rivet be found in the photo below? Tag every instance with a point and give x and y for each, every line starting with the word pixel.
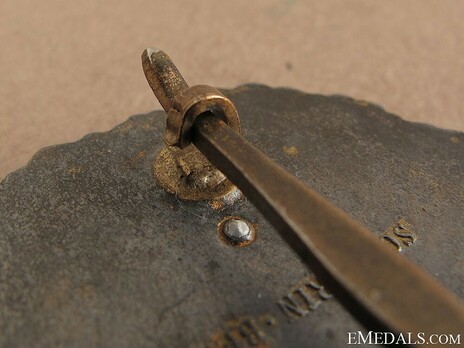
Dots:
pixel 236 231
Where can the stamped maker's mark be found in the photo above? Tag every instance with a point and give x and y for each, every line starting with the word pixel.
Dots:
pixel 246 331
pixel 305 297
pixel 400 235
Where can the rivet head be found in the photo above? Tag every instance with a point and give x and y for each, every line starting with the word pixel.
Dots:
pixel 236 231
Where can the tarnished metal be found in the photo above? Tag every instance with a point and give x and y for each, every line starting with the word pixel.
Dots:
pixel 191 103
pixel 236 231
pixel 186 173
pixel 370 280
pixel 95 253
pixel 162 76
pixel 183 104
pixel 353 264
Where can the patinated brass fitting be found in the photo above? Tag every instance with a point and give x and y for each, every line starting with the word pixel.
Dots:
pixel 182 103
pixel 180 168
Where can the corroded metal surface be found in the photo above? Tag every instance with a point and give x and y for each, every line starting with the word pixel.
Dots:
pixel 187 174
pixel 95 253
pixel 352 262
pixel 180 168
pixel 182 103
pixel 323 235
